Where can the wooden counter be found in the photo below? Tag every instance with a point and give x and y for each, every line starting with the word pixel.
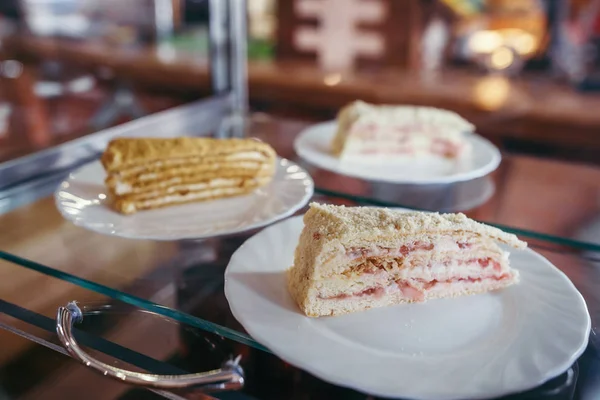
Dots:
pixel 534 111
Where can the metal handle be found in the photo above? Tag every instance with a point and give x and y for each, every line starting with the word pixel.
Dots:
pixel 229 377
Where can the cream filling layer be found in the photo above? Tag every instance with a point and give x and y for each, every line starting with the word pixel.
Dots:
pixel 419 276
pixel 188 197
pixel 252 156
pixel 404 139
pixel 123 187
pixel 190 168
pixel 441 243
pixel 346 260
pixel 149 176
pixel 199 187
pixel 411 148
pixel 403 115
pixel 172 186
pixel 417 290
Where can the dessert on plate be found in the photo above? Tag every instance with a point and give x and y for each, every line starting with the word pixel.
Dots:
pixel 353 258
pixel 379 132
pixel 147 173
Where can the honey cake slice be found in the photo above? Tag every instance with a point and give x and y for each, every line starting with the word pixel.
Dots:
pixel 148 173
pixel 350 259
pixel 371 132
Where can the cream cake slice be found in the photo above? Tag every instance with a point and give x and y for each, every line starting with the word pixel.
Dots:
pixel 354 258
pixel 147 173
pixel 379 132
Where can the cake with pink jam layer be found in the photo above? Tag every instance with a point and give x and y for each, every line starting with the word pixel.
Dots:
pixel 353 258
pixel 379 132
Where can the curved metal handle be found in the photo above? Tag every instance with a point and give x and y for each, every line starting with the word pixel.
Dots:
pixel 229 377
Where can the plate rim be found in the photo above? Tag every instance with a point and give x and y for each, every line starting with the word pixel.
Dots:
pixel 336 380
pixel 490 167
pixel 267 222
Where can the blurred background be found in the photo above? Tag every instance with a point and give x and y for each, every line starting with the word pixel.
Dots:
pixel 524 71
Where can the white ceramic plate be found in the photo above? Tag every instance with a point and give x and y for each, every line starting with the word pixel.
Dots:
pixel 81 198
pixel 465 348
pixel 313 145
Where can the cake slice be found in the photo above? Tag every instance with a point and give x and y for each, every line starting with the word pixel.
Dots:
pixel 354 258
pixel 377 132
pixel 147 173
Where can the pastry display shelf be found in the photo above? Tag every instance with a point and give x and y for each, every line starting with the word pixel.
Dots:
pixel 160 308
pixel 182 282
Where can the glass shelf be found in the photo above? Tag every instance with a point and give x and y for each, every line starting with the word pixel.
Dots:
pixel 194 325
pixel 183 281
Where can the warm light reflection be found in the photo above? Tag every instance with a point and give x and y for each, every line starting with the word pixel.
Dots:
pixel 102 196
pixel 491 92
pixel 489 41
pixel 485 42
pixel 502 58
pixel 332 79
pixel 523 42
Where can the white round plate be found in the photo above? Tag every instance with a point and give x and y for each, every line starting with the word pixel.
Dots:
pixel 313 145
pixel 82 199
pixel 470 347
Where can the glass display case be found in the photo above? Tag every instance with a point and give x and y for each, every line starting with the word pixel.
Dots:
pixel 89 314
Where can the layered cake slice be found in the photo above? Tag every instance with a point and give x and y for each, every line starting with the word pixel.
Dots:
pixel 354 258
pixel 150 173
pixel 379 132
